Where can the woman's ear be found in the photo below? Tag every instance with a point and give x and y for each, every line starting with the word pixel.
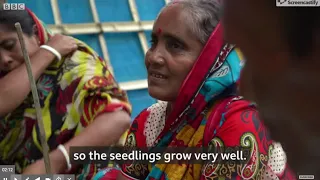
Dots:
pixel 35 32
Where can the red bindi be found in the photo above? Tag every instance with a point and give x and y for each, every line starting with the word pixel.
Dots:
pixel 159 31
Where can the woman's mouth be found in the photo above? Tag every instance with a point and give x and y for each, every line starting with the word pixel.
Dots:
pixel 156 77
pixel 159 76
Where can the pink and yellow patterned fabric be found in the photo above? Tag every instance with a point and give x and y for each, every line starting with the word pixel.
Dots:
pixel 73 92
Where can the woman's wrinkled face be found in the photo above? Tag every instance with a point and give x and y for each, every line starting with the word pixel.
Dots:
pixel 173 52
pixel 10 50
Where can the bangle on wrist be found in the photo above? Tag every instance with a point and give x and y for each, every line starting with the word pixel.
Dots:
pixel 52 50
pixel 66 155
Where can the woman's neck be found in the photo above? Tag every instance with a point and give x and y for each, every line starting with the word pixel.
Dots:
pixel 169 108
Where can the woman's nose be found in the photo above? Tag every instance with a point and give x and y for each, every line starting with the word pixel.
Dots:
pixel 5 59
pixel 156 57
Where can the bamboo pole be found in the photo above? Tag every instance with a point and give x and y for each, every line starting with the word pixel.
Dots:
pixel 102 40
pixel 45 147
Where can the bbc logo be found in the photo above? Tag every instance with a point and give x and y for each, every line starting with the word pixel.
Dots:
pixel 14 6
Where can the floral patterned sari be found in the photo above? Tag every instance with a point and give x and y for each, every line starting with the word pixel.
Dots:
pixel 72 93
pixel 207 113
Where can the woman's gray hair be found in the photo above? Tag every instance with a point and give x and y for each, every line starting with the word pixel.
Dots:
pixel 202 16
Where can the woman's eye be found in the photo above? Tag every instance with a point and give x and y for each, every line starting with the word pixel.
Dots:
pixel 153 42
pixel 174 45
pixel 9 45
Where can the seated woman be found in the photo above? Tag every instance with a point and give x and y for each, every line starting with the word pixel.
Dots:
pixel 194 71
pixel 14 92
pixel 81 103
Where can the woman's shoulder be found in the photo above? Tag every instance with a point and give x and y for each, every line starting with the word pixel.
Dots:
pixel 242 114
pixel 232 110
pixel 155 111
pixel 83 56
pixel 239 104
pixel 241 120
pixel 241 127
pixel 149 123
pixel 240 110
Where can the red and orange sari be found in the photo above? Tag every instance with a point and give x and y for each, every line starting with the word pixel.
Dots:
pixel 207 113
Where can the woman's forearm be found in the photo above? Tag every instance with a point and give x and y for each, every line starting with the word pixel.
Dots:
pixel 105 130
pixel 15 85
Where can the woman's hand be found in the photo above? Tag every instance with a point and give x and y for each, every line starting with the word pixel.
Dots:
pixel 57 163
pixel 63 44
pixel 35 168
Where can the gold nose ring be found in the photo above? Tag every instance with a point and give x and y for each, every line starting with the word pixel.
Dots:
pixel 161 60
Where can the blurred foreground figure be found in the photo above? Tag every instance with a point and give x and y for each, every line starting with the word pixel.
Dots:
pixel 282 48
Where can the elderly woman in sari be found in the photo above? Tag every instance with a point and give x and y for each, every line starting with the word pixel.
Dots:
pixel 81 103
pixel 194 72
